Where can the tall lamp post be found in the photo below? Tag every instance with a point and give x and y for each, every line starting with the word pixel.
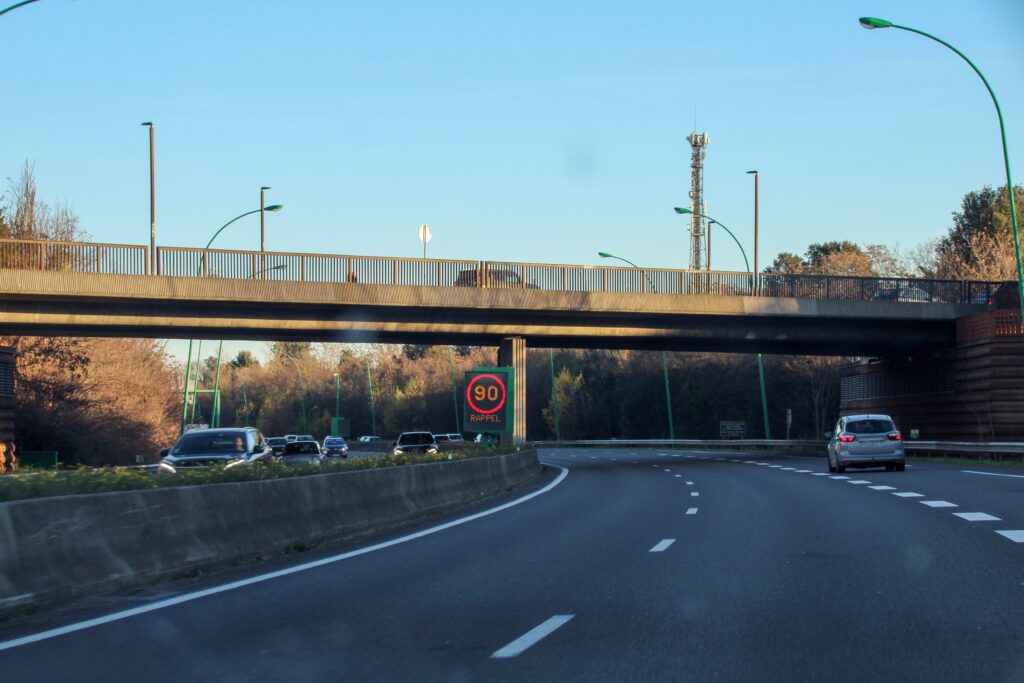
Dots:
pixel 263 226
pixel 757 176
pixel 17 5
pixel 873 23
pixel 152 200
pixel 760 362
pixel 337 394
pixel 664 354
pixel 188 360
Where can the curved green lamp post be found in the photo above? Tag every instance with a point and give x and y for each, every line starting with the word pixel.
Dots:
pixel 871 23
pixel 760 363
pixel 188 360
pixel 664 354
pixel 16 6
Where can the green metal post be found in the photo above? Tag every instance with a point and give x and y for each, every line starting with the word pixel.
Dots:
pixel 195 381
pixel 873 23
pixel 184 394
pixel 17 5
pixel 554 396
pixel 337 395
pixel 373 411
pixel 215 422
pixel 764 399
pixel 455 399
pixel 664 354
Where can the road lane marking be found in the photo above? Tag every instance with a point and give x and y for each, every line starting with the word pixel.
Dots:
pixel 188 597
pixel 689 483
pixel 839 477
pixel 532 637
pixel 1015 535
pixel 938 503
pixel 775 467
pixel 788 469
pixel 994 474
pixel 678 476
pixel 691 511
pixel 858 481
pixel 908 494
pixel 977 517
pixel 819 474
pixel 667 470
pixel 883 488
pixel 662 545
pixel 694 494
pixel 802 471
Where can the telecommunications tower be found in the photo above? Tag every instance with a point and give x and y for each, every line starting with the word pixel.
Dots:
pixel 698 225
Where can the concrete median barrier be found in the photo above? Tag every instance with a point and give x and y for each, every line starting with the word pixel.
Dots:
pixel 55 549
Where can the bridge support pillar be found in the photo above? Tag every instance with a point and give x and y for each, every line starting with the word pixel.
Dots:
pixel 512 353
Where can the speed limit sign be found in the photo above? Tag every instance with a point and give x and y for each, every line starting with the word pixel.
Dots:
pixel 489 399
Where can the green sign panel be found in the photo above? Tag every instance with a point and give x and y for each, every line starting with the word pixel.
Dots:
pixel 489 400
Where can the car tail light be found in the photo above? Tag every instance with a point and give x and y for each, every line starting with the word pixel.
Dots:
pixel 847 438
pixel 895 436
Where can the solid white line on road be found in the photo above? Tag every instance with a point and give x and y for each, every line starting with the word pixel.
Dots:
pixel 908 494
pixel 994 474
pixel 694 494
pixel 662 545
pixel 938 503
pixel 977 517
pixel 691 511
pixel 188 597
pixel 839 477
pixel 532 637
pixel 883 488
pixel 858 481
pixel 1016 535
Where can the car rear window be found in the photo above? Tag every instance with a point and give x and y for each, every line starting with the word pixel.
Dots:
pixel 334 442
pixel 301 448
pixel 197 443
pixel 416 439
pixel 872 426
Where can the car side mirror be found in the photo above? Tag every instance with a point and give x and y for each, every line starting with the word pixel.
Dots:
pixel 828 435
pixel 164 452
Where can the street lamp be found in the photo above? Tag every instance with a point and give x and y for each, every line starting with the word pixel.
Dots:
pixel 760 362
pixel 152 200
pixel 220 348
pixel 664 354
pixel 871 23
pixel 337 394
pixel 757 176
pixel 17 5
pixel 263 251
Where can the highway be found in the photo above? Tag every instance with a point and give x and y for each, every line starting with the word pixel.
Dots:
pixel 624 565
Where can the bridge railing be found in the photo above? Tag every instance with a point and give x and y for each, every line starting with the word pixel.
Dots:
pixel 90 257
pixel 122 259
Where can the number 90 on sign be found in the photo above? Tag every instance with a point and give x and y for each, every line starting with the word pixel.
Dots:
pixel 486 394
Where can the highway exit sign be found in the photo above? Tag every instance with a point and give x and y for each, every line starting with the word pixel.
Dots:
pixel 489 400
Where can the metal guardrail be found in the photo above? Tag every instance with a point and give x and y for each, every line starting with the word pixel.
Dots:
pixel 121 259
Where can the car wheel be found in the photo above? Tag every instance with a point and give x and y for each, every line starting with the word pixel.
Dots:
pixel 831 467
pixel 901 467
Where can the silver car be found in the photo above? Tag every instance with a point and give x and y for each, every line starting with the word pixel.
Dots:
pixel 302 453
pixel 865 441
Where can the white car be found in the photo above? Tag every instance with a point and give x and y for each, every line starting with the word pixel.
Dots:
pixel 865 441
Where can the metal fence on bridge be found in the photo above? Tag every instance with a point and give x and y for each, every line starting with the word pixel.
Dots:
pixel 121 259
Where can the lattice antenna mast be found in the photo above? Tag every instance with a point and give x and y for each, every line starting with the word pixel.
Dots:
pixel 698 226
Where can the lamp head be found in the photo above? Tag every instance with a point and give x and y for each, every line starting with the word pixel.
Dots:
pixel 274 207
pixel 265 187
pixel 871 23
pixel 680 210
pixel 753 172
pixel 147 123
pixel 604 254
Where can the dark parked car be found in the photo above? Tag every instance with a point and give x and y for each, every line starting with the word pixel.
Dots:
pixel 903 294
pixel 302 453
pixel 335 447
pixel 277 443
pixel 414 442
pixel 204 447
pixel 492 277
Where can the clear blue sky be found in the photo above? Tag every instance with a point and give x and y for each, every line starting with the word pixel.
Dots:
pixel 529 131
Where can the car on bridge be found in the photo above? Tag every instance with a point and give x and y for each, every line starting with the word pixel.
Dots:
pixel 912 294
pixel 492 277
pixel 865 441
pixel 207 447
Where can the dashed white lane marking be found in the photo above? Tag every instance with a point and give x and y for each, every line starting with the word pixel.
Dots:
pixel 883 488
pixel 802 471
pixel 532 637
pixel 819 474
pixel 938 503
pixel 662 545
pixel 691 456
pixel 994 474
pixel 693 511
pixel 977 517
pixel 775 467
pixel 241 583
pixel 678 476
pixel 858 481
pixel 839 477
pixel 908 494
pixel 668 470
pixel 788 469
pixel 694 494
pixel 1015 535
pixel 689 483
pixel 675 455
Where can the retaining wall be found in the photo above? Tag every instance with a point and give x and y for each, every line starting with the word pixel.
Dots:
pixel 53 549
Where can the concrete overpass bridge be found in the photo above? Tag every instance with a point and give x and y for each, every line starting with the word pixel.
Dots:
pixel 84 289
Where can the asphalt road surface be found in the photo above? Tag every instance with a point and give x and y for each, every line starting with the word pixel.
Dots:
pixel 623 565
